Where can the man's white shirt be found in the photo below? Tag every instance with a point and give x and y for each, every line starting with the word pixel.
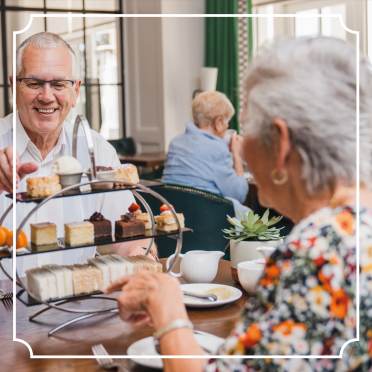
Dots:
pixel 61 210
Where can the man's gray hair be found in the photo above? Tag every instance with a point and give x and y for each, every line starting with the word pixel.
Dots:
pixel 310 83
pixel 45 40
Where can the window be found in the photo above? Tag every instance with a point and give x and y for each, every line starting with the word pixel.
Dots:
pixel 309 21
pixel 98 43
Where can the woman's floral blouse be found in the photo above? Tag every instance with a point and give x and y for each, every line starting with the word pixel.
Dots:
pixel 305 301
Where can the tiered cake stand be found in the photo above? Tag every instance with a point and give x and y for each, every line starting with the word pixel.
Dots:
pixel 82 189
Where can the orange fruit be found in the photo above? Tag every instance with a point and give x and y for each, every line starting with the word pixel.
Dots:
pixel 8 234
pixel 21 241
pixel 3 235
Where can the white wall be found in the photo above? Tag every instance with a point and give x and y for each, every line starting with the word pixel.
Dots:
pixel 164 57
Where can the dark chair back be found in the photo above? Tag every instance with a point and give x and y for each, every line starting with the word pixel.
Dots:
pixel 124 146
pixel 204 212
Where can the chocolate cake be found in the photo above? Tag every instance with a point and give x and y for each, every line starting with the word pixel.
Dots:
pixel 102 227
pixel 128 226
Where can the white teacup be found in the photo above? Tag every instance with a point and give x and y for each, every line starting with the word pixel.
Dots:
pixel 249 272
pixel 228 135
pixel 197 266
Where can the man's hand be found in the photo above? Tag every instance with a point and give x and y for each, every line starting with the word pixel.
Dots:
pixel 6 169
pixel 135 248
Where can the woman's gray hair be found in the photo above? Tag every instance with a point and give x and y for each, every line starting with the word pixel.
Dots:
pixel 45 40
pixel 310 83
pixel 206 106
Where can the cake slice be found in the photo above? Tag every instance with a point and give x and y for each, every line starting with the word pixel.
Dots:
pixel 43 235
pixel 102 227
pixel 79 233
pixel 129 226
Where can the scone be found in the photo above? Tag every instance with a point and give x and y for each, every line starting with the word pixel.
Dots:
pixel 126 174
pixel 40 187
pixel 79 233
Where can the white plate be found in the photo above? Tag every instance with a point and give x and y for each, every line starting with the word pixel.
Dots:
pixel 146 347
pixel 202 288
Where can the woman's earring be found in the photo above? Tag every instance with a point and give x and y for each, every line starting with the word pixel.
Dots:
pixel 279 176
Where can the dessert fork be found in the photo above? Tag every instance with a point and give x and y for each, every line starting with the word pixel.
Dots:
pixel 7 299
pixel 106 363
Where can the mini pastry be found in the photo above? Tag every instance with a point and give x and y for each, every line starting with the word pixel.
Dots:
pixel 129 226
pixel 39 187
pixel 79 233
pixel 126 174
pixel 166 221
pixel 102 227
pixel 43 235
pixel 140 216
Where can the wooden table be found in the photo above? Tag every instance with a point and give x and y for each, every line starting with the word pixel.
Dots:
pixel 114 334
pixel 151 160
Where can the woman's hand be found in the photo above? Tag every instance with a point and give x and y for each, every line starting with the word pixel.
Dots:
pixel 149 298
pixel 236 145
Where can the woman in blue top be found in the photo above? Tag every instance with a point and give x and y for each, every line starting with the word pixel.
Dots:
pixel 201 157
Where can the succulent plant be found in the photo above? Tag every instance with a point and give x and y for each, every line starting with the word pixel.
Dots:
pixel 251 226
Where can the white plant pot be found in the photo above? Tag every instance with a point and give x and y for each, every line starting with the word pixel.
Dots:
pixel 247 250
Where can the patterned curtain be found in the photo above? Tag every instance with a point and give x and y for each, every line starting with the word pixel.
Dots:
pixel 221 49
pixel 229 43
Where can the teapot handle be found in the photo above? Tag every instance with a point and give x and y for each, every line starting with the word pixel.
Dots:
pixel 167 264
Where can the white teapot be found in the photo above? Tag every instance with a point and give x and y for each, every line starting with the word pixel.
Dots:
pixel 197 266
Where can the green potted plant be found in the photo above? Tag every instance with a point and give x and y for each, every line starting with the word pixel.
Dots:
pixel 250 236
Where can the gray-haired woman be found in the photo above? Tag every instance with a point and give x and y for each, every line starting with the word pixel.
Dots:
pixel 300 145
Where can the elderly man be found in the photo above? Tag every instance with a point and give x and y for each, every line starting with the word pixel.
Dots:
pixel 47 88
pixel 201 158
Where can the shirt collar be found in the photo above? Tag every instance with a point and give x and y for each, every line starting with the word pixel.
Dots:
pixel 24 142
pixel 192 128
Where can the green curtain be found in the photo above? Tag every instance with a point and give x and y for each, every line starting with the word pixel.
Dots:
pixel 221 49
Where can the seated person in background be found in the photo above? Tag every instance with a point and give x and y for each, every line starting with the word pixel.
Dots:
pixel 201 157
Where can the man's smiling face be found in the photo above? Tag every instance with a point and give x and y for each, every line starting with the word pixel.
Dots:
pixel 43 110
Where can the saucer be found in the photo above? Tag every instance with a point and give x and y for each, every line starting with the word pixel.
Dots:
pixel 226 294
pixel 146 347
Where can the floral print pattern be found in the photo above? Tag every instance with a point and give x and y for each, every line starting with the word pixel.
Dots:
pixel 305 302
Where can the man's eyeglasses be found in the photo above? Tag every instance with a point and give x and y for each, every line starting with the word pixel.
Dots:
pixel 38 84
